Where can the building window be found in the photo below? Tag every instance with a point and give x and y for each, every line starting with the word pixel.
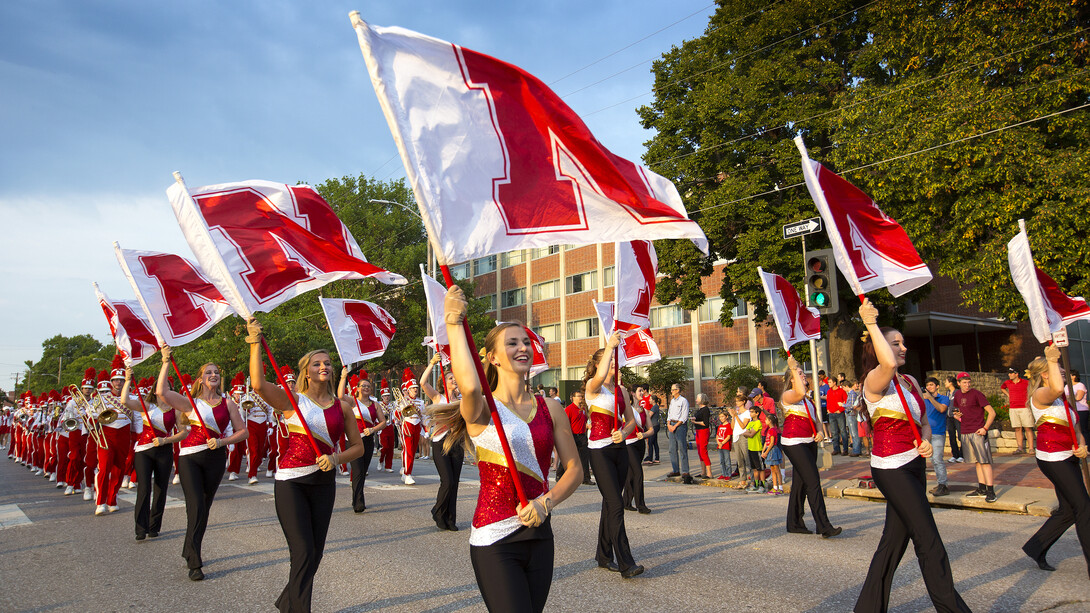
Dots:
pixel 575 373
pixel 548 378
pixel 514 297
pixel 607 276
pixel 489 302
pixel 741 309
pixel 540 252
pixel 582 282
pixel 583 328
pixel 710 365
pixel 546 290
pixel 461 271
pixel 712 307
pixel 687 363
pixel 512 258
pixel 484 265
pixel 669 315
pixel 771 362
pixel 551 333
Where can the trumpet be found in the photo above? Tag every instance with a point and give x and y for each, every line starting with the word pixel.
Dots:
pixel 407 406
pixel 86 414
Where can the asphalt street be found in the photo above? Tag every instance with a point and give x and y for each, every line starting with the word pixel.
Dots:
pixel 705 549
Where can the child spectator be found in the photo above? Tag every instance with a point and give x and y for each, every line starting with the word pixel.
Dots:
pixel 753 446
pixel 773 456
pixel 722 438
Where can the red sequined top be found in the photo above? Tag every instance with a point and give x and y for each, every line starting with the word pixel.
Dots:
pixel 1054 443
pixel 162 425
pixel 216 418
pixel 602 419
pixel 639 418
pixel 366 417
pixel 894 445
pixel 798 423
pixel 531 445
pixel 326 425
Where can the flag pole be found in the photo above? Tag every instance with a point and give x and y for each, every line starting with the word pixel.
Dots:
pixel 291 398
pixel 618 402
pixel 508 456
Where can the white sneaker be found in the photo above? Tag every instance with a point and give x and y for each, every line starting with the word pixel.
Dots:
pixel 53 479
pixel 268 474
pixel 87 493
pixel 344 473
pixel 101 510
pixel 125 483
pixel 232 477
pixel 132 485
pixel 38 471
pixel 409 480
pixel 176 480
pixel 68 491
pixel 113 508
pixel 253 480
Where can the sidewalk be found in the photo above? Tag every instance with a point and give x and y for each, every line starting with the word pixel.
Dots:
pixel 1019 484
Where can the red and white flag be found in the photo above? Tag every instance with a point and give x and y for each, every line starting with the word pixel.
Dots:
pixel 794 320
pixel 434 294
pixel 871 249
pixel 131 332
pixel 637 266
pixel 540 364
pixel 637 348
pixel 180 302
pixel 499 162
pixel 361 330
pixel 1050 309
pixel 263 243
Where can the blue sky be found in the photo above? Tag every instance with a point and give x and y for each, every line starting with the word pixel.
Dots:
pixel 102 100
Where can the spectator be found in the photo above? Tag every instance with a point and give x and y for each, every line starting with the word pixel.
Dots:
pixel 837 397
pixel 677 425
pixel 852 402
pixel 1080 404
pixel 1015 388
pixel 577 415
pixel 752 433
pixel 772 455
pixel 555 395
pixel 739 418
pixel 723 440
pixel 862 423
pixel 971 408
pixel 953 426
pixel 936 416
pixel 823 396
pixel 702 421
pixel 655 417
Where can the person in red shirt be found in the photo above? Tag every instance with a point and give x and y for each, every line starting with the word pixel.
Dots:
pixel 577 415
pixel 1015 389
pixel 723 435
pixel 836 398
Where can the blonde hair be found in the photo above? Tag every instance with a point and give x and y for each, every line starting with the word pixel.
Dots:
pixel 303 380
pixel 198 388
pixel 1036 368
pixel 590 370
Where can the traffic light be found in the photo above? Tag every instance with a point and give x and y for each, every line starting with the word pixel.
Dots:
pixel 820 275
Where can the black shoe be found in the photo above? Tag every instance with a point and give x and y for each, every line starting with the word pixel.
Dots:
pixel 831 533
pixel 140 537
pixel 359 510
pixel 644 510
pixel 629 507
pixel 632 571
pixel 940 490
pixel 153 535
pixel 610 566
pixel 836 453
pixel 453 527
pixel 588 482
pixel 196 574
pixel 687 479
pixel 799 531
pixel 977 493
pixel 668 475
pixel 989 496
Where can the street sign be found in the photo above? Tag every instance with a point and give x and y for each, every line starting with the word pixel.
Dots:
pixel 802 228
pixel 1060 338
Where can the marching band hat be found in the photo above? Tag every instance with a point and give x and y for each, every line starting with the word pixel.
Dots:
pixel 407 380
pixel 89 377
pixel 104 381
pixel 384 390
pixel 117 367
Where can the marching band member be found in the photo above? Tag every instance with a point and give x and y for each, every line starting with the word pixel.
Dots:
pixel 1056 459
pixel 257 417
pixel 63 440
pixel 447 463
pixel 154 457
pixel 897 465
pixel 409 415
pixel 369 419
pixel 112 393
pixel 802 431
pixel 388 435
pixel 90 449
pixel 511 546
pixel 74 475
pixel 609 458
pixel 235 452
pixel 203 457
pixel 306 486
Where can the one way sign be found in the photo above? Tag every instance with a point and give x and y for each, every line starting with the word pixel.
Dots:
pixel 802 228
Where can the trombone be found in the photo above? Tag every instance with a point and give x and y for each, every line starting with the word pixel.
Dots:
pixel 407 406
pixel 86 414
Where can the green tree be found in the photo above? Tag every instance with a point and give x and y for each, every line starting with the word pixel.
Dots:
pixel 631 379
pixel 664 373
pixel 72 354
pixel 730 378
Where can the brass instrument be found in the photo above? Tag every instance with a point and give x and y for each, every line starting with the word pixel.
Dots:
pixel 86 413
pixel 407 406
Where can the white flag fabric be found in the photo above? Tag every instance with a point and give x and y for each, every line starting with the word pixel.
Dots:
pixel 637 348
pixel 1050 309
pixel 871 250
pixel 434 294
pixel 263 243
pixel 636 267
pixel 361 330
pixel 539 364
pixel 180 302
pixel 498 161
pixel 794 320
pixel 130 330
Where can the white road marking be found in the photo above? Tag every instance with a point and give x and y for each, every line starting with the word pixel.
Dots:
pixel 11 515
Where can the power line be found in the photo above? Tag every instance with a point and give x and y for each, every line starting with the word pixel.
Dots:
pixel 905 155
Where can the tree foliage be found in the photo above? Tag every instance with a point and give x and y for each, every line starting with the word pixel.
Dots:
pixel 664 373
pixel 730 378
pixel 865 84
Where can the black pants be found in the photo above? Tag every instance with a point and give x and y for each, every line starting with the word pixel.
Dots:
pixel 908 516
pixel 304 506
pixel 653 446
pixel 516 572
pixel 633 485
pixel 953 434
pixel 200 475
pixel 1083 418
pixel 610 470
pixel 1074 509
pixel 359 473
pixel 805 483
pixel 584 457
pixel 449 467
pixel 152 468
